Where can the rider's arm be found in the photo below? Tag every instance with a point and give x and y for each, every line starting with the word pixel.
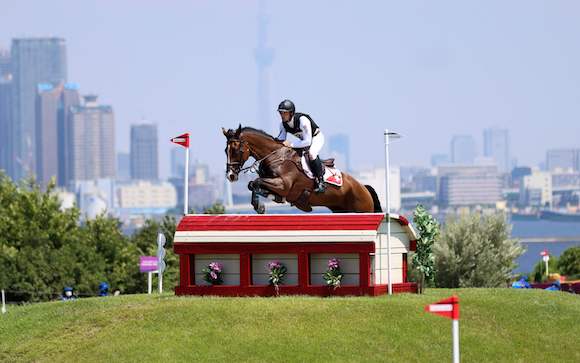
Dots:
pixel 306 134
pixel 282 135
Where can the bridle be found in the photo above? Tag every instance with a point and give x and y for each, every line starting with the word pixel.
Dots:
pixel 237 166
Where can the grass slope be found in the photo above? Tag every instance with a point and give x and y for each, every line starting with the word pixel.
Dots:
pixel 500 325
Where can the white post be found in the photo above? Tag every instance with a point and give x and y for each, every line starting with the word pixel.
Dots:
pixel 455 329
pixel 387 178
pixel 149 282
pixel 186 183
pixel 3 303
pixel 547 272
pixel 160 282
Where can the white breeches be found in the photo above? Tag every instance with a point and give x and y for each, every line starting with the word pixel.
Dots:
pixel 316 146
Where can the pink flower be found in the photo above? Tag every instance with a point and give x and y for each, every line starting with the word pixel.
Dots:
pixel 274 264
pixel 333 263
pixel 213 275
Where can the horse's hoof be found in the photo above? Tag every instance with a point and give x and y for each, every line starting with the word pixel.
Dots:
pixel 261 209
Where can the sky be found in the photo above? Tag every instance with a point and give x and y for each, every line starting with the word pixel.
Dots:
pixel 425 69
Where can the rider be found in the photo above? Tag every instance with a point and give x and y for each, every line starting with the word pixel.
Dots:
pixel 311 138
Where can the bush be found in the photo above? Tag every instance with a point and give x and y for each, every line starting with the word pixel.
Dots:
pixel 475 251
pixel 569 262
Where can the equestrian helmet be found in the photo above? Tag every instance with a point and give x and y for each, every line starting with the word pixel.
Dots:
pixel 286 106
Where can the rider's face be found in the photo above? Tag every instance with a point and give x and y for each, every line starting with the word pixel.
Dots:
pixel 285 116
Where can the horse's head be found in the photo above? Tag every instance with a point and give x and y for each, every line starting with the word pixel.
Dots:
pixel 237 152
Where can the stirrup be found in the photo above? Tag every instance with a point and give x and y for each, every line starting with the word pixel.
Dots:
pixel 320 187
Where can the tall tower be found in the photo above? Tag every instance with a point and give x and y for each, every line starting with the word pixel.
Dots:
pixel 53 103
pixel 264 56
pixel 34 61
pixel 496 145
pixel 144 161
pixel 92 136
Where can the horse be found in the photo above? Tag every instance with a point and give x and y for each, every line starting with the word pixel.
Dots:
pixel 282 178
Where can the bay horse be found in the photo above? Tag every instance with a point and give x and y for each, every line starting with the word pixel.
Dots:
pixel 282 178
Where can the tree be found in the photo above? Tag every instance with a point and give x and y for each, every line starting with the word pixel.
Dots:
pixel 475 251
pixel 422 260
pixel 569 262
pixel 216 208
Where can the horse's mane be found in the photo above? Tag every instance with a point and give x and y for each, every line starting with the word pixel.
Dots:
pixel 257 131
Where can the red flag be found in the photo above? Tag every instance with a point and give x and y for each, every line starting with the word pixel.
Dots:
pixel 182 140
pixel 544 252
pixel 448 308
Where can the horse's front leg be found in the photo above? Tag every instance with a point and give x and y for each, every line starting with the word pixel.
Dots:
pixel 277 186
pixel 256 191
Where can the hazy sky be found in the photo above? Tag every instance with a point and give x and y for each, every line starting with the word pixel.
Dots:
pixel 427 69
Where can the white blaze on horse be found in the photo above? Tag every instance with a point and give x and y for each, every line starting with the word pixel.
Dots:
pixel 284 176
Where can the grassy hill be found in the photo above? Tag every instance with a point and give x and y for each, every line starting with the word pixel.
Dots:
pixel 499 325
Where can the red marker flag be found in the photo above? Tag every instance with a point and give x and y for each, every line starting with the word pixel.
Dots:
pixel 544 253
pixel 448 308
pixel 182 140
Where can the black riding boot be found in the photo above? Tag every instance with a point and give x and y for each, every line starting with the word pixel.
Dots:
pixel 318 171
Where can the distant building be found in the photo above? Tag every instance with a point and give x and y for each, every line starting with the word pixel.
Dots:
pixel 199 174
pixel 177 162
pixel 463 150
pixel 465 186
pixel 53 105
pixel 146 197
pixel 5 63
pixel 144 156
pixel 339 149
pixel 439 159
pixel 95 197
pixel 563 159
pixel 123 166
pixel 376 179
pixel 7 150
pixel 34 61
pixel 518 174
pixel 92 130
pixel 496 145
pixel 536 190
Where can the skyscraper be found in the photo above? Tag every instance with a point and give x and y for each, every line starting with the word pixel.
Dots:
pixel 5 63
pixel 496 145
pixel 339 148
pixel 53 104
pixel 463 150
pixel 34 61
pixel 6 149
pixel 92 141
pixel 144 162
pixel 177 162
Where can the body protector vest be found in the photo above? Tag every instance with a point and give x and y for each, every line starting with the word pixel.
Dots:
pixel 296 122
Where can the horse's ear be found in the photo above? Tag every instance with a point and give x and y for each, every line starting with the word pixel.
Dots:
pixel 225 132
pixel 239 130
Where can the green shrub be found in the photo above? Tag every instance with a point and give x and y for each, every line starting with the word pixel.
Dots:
pixel 475 251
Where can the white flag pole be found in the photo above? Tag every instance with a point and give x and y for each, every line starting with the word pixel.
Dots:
pixel 387 185
pixel 3 303
pixel 186 183
pixel 160 282
pixel 149 282
pixel 455 331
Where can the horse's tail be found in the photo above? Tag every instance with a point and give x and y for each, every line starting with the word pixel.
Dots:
pixel 376 201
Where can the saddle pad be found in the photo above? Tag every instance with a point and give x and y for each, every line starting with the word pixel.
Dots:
pixel 331 175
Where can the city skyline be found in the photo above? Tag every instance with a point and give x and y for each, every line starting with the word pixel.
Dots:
pixel 428 82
